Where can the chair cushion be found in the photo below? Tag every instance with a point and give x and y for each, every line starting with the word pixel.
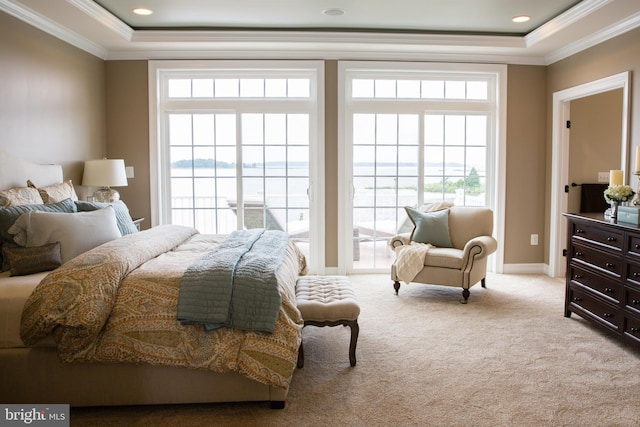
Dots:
pixel 444 257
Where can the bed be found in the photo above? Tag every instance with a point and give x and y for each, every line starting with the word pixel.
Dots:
pixel 102 328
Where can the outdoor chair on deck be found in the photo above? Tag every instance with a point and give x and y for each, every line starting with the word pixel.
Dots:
pixel 258 215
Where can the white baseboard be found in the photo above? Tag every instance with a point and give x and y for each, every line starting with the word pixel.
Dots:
pixel 531 268
pixel 539 268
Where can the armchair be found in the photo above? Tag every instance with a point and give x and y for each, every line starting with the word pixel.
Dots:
pixel 464 263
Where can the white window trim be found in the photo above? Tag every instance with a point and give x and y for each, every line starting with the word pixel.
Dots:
pixel 495 201
pixel 317 151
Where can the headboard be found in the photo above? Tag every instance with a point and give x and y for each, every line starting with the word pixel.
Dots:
pixel 15 172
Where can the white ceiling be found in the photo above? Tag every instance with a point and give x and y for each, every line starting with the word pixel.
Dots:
pixel 441 30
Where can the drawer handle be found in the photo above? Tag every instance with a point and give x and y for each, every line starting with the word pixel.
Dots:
pixel 579 254
pixel 635 302
pixel 607 315
pixel 611 239
pixel 608 290
pixel 609 265
pixel 636 274
pixel 579 231
pixel 636 330
pixel 579 276
pixel 576 299
pixel 637 245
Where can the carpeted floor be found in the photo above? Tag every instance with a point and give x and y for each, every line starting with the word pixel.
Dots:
pixel 508 358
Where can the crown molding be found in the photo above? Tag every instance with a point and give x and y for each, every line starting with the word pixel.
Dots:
pixel 632 22
pixel 104 17
pixel 351 54
pixel 44 24
pixel 319 37
pixel 563 21
pixel 152 44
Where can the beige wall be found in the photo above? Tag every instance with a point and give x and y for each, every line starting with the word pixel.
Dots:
pixel 331 166
pixel 127 114
pixel 60 104
pixel 525 180
pixel 51 99
pixel 595 144
pixel 609 58
pixel 127 106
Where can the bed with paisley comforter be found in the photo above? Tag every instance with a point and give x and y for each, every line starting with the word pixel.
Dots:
pixel 102 329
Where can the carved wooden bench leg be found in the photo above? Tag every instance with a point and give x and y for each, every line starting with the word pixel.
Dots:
pixel 355 330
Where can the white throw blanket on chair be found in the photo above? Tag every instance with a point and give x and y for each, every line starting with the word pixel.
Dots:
pixel 410 260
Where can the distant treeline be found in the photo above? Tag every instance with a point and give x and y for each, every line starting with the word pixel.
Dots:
pixel 212 163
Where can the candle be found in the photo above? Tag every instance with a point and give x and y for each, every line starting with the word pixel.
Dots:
pixel 637 160
pixel 615 177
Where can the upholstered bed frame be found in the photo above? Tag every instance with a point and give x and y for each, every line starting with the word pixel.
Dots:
pixel 35 375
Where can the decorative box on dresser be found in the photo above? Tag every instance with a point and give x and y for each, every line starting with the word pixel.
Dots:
pixel 603 274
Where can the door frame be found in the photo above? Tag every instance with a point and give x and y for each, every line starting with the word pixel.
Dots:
pixel 560 156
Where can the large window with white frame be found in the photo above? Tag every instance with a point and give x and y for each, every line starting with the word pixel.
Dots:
pixel 234 143
pixel 413 134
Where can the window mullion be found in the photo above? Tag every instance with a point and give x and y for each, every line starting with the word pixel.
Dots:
pixel 239 173
pixel 421 157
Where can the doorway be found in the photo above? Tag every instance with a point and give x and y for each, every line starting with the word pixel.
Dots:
pixel 561 155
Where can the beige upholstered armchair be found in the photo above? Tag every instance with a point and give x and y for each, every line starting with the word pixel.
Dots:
pixel 463 264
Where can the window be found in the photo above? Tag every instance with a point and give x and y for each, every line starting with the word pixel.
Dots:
pixel 234 144
pixel 413 134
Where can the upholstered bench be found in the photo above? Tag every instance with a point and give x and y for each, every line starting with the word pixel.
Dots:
pixel 328 301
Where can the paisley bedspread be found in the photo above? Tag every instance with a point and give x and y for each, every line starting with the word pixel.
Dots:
pixel 118 302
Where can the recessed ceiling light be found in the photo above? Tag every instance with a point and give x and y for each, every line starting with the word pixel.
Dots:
pixel 521 18
pixel 142 11
pixel 333 12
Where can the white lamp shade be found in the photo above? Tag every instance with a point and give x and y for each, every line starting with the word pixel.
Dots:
pixel 104 173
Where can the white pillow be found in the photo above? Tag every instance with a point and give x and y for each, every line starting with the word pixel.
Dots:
pixel 76 232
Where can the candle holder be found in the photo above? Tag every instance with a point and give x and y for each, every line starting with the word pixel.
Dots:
pixel 636 199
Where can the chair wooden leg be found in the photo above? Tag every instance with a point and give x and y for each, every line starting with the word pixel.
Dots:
pixel 396 286
pixel 465 296
pixel 483 282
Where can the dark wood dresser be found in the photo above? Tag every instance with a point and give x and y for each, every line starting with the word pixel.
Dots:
pixel 603 274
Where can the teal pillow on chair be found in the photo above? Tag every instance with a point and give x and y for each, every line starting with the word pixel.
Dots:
pixel 430 227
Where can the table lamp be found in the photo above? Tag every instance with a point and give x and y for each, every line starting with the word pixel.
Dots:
pixel 105 173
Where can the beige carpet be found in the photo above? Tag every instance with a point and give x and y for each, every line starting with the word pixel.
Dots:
pixel 508 358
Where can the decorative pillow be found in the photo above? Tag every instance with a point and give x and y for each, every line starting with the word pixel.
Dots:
pixel 9 215
pixel 57 192
pixel 76 232
pixel 20 196
pixel 407 225
pixel 25 261
pixel 123 217
pixel 430 227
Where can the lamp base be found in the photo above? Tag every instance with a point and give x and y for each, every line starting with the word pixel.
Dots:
pixel 106 195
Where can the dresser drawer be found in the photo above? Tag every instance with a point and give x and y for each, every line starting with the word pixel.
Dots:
pixel 610 315
pixel 604 261
pixel 609 288
pixel 602 235
pixel 632 299
pixel 634 245
pixel 632 327
pixel 633 273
